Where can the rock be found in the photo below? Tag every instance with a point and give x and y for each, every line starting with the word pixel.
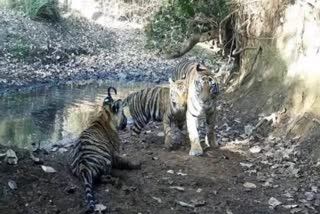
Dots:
pixel 248 129
pixel 249 185
pixel 288 195
pixel 290 206
pixel 48 169
pixel 199 190
pixel 296 210
pixel 314 189
pixel 273 202
pixel 309 196
pixel 198 203
pixel 170 171
pixel 12 184
pixel 62 150
pixel 160 134
pixel 100 208
pixel 248 165
pixel 11 157
pixel 255 149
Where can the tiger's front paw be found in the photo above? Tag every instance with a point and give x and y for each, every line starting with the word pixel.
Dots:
pixel 168 143
pixel 196 151
pixel 136 165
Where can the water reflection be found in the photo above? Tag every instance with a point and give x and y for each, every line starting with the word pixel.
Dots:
pixel 51 115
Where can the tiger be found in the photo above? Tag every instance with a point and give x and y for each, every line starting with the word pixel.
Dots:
pixel 96 151
pixel 166 104
pixel 203 89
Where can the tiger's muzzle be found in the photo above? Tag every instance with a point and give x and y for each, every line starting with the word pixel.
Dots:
pixel 215 89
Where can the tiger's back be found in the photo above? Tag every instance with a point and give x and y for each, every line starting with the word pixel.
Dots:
pixel 167 104
pixel 145 105
pixel 96 150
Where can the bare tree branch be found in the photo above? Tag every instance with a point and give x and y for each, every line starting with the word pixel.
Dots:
pixel 190 43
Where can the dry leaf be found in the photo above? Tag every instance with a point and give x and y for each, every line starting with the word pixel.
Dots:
pixel 157 199
pixel 184 204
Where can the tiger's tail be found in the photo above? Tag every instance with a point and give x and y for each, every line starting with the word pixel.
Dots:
pixel 87 179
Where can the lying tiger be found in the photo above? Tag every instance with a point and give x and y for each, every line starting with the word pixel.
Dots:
pixel 167 104
pixel 201 103
pixel 97 149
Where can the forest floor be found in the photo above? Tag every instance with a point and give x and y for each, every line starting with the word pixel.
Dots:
pixel 249 173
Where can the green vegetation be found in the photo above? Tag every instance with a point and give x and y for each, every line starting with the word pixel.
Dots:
pixel 20 48
pixel 177 20
pixel 35 9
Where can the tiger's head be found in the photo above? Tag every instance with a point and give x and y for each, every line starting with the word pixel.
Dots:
pixel 206 85
pixel 178 94
pixel 114 108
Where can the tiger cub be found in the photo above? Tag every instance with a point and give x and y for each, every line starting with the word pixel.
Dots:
pixel 167 104
pixel 97 149
pixel 203 90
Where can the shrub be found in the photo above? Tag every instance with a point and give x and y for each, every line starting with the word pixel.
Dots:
pixel 35 9
pixel 42 9
pixel 178 19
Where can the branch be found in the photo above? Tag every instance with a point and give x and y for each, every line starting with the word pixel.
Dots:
pixel 223 20
pixel 237 52
pixel 190 43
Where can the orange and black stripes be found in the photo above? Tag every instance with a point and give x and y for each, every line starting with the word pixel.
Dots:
pixel 96 150
pixel 147 104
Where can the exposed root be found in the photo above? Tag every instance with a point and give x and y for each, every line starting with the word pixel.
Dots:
pixel 245 78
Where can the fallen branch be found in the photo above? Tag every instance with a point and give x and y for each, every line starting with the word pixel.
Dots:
pixel 190 43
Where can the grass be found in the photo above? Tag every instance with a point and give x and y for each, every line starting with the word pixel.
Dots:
pixel 35 9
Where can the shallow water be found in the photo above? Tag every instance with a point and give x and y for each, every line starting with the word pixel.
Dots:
pixel 54 115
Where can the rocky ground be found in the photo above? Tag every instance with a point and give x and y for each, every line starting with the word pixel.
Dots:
pixel 253 171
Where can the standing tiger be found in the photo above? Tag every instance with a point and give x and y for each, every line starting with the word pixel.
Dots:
pixel 97 149
pixel 167 104
pixel 201 104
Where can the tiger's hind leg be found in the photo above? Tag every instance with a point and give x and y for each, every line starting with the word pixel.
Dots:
pixel 137 127
pixel 167 132
pixel 123 163
pixel 192 125
pixel 210 139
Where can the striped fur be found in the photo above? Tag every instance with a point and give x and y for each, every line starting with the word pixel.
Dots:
pixel 167 104
pixel 201 105
pixel 96 150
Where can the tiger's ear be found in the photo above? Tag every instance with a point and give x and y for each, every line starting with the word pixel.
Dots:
pixel 200 67
pixel 171 81
pixel 107 101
